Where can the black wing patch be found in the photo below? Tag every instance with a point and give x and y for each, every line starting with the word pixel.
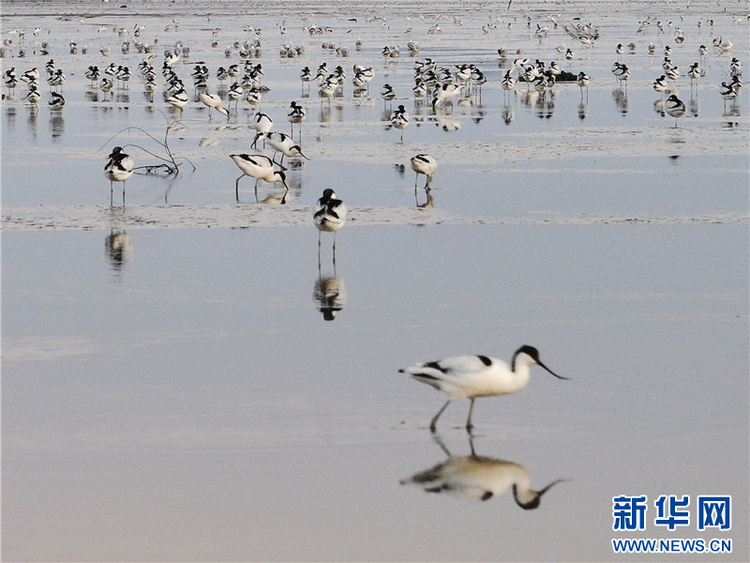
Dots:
pixel 437 366
pixel 485 360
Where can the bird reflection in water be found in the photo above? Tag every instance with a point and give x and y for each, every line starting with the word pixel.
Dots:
pixel 583 111
pixel 479 478
pixel 620 97
pixel 329 293
pixel 429 202
pixel 118 246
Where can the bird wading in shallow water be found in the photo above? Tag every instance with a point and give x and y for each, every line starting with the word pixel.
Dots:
pixel 675 107
pixel 329 215
pixel 260 167
pixel 469 377
pixel 423 164
pixel 119 168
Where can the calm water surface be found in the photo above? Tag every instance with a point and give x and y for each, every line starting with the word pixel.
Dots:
pixel 186 399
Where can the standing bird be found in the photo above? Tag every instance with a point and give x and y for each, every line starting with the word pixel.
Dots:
pixel 387 93
pixel 213 101
pixel 56 101
pixel 257 166
pixel 675 107
pixel 178 100
pixel 400 119
pixel 329 215
pixel 727 93
pixel 660 84
pixel 281 142
pixel 469 377
pixel 119 168
pixel 423 164
pixel 583 80
pixel 262 122
pixel 296 115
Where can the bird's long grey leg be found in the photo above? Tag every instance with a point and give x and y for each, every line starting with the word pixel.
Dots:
pixel 433 422
pixel 469 425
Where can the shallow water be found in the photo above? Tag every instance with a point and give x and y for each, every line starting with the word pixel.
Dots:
pixel 172 392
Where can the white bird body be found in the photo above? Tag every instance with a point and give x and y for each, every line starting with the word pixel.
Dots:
pixel 263 122
pixel 424 164
pixel 400 117
pixel 281 142
pixel 119 168
pixel 330 212
pixel 674 107
pixel 257 166
pixel 213 101
pixel 469 377
pixel 179 99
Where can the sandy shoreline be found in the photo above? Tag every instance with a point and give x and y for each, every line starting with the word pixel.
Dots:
pixel 242 216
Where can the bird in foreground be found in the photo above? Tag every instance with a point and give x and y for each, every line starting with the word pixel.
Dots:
pixel 675 107
pixel 329 215
pixel 119 168
pixel 257 166
pixel 469 377
pixel 423 164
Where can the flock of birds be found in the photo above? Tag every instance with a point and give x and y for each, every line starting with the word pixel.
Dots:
pixel 460 377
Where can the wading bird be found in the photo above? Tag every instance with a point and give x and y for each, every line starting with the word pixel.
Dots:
pixel 119 168
pixel 469 377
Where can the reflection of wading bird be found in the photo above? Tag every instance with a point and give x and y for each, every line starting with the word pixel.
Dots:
pixel 119 168
pixel 480 478
pixel 469 377
pixel 329 215
pixel 423 164
pixel 118 246
pixel 257 166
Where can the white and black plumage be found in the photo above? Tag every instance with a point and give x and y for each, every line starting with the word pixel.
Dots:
pixel 675 107
pixel 119 168
pixel 281 142
pixel 296 115
pixel 329 215
pixel 445 92
pixel 621 72
pixel 179 99
pixel 56 101
pixel 423 164
pixel 213 101
pixel 387 93
pixel 262 122
pixel 469 377
pixel 660 84
pixel 727 93
pixel 583 80
pixel 257 166
pixel 235 94
pixel 330 212
pixel 400 119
